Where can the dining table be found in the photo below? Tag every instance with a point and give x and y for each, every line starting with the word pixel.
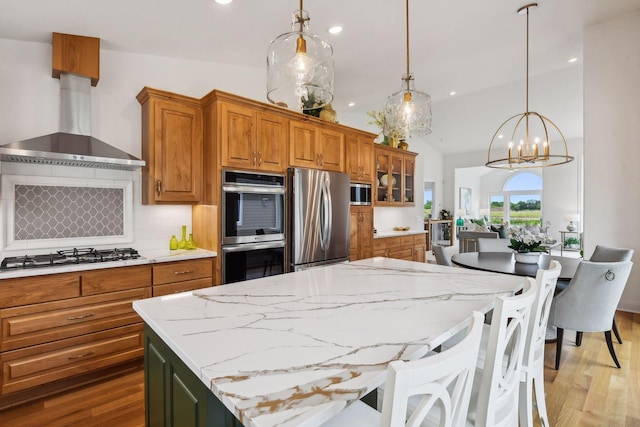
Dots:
pixel 505 262
pixel 297 348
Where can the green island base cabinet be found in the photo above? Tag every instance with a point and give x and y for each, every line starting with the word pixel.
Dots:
pixel 173 395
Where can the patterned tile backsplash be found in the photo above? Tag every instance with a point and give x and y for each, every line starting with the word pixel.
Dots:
pixel 53 212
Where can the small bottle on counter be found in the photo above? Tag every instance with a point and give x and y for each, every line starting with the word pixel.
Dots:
pixel 182 244
pixel 190 243
pixel 173 243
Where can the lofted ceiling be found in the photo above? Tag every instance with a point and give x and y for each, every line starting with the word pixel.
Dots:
pixel 467 46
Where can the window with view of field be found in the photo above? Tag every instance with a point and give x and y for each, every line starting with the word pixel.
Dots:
pixel 520 201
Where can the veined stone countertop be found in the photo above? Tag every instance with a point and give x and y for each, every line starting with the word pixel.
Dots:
pixel 146 257
pixel 394 233
pixel 296 349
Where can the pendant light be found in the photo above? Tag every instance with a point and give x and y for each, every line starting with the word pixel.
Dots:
pixel 528 145
pixel 407 113
pixel 300 67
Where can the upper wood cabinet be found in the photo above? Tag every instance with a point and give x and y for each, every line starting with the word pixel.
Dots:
pixel 171 147
pixel 316 147
pixel 394 178
pixel 252 139
pixel 359 157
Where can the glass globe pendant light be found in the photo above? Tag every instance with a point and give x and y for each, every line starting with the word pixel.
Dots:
pixel 529 144
pixel 300 67
pixel 407 113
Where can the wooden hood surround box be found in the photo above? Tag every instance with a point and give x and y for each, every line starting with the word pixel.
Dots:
pixel 77 55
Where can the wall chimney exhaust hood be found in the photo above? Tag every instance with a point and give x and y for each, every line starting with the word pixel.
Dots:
pixel 76 63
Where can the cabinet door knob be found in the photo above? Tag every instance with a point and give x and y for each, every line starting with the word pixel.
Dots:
pixel 259 158
pixel 158 187
pixel 84 316
pixel 254 157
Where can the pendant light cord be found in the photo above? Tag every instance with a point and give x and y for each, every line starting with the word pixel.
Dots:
pixel 527 65
pixel 407 21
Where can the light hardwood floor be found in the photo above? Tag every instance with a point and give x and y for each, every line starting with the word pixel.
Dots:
pixel 587 390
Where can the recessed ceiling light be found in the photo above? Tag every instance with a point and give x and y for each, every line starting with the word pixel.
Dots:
pixel 572 59
pixel 453 92
pixel 335 29
pixel 223 1
pixel 351 104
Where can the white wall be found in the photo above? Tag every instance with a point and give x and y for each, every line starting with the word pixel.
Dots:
pixel 611 140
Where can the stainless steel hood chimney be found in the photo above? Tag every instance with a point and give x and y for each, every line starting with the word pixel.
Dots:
pixel 73 145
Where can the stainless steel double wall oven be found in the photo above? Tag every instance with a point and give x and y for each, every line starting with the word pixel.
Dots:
pixel 253 225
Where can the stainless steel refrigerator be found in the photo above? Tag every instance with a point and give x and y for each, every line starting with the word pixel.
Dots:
pixel 317 217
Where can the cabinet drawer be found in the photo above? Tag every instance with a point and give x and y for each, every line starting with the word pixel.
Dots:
pixel 393 242
pixel 401 253
pixel 40 323
pixel 30 290
pixel 406 240
pixel 115 279
pixel 182 271
pixel 379 244
pixel 419 239
pixel 189 285
pixel 33 366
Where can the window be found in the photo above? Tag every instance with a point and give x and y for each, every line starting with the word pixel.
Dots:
pixel 520 201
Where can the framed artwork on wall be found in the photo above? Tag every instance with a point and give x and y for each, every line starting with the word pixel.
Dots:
pixel 465 200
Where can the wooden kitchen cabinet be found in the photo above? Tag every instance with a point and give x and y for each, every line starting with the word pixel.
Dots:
pixel 359 157
pixel 172 132
pixel 252 139
pixel 181 276
pixel 315 147
pixel 61 330
pixel 395 181
pixel 411 247
pixel 361 242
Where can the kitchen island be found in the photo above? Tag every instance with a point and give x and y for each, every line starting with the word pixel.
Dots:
pixel 296 349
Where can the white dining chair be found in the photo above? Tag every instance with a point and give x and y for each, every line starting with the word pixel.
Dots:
pixel 440 382
pixel 532 373
pixel 495 394
pixel 494 245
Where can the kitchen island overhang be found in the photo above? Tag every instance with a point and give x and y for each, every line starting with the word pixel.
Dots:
pixel 296 349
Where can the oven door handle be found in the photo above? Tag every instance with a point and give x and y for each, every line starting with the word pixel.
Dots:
pixel 253 246
pixel 248 189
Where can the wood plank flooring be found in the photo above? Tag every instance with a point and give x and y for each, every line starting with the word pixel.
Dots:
pixel 587 390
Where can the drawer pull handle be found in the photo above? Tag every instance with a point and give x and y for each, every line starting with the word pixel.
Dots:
pixel 177 273
pixel 80 356
pixel 84 316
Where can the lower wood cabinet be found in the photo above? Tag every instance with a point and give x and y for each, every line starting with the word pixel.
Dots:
pixel 411 247
pixel 361 232
pixel 174 395
pixel 58 330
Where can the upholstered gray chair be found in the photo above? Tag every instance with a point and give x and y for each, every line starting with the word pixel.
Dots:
pixel 443 254
pixel 494 245
pixel 610 254
pixel 589 302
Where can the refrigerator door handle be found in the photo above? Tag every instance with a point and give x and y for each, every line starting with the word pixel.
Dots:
pixel 328 211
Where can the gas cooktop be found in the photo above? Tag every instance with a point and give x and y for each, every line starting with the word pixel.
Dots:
pixel 69 256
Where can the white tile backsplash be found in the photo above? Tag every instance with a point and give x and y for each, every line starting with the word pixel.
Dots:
pixel 150 227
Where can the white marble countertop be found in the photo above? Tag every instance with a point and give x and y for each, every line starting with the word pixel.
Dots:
pixel 296 349
pixel 146 257
pixel 394 233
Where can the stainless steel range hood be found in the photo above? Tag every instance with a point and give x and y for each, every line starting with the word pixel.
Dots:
pixel 73 145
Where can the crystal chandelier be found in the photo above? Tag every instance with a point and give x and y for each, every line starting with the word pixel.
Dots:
pixel 300 67
pixel 407 113
pixel 528 145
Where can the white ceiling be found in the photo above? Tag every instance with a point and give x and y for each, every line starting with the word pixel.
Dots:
pixel 468 46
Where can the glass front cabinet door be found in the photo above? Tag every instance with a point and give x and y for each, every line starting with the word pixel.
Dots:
pixel 394 177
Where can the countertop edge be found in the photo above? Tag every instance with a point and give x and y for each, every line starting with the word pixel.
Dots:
pixel 147 257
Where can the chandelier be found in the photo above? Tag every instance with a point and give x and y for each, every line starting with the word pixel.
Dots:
pixel 300 67
pixel 407 113
pixel 528 145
